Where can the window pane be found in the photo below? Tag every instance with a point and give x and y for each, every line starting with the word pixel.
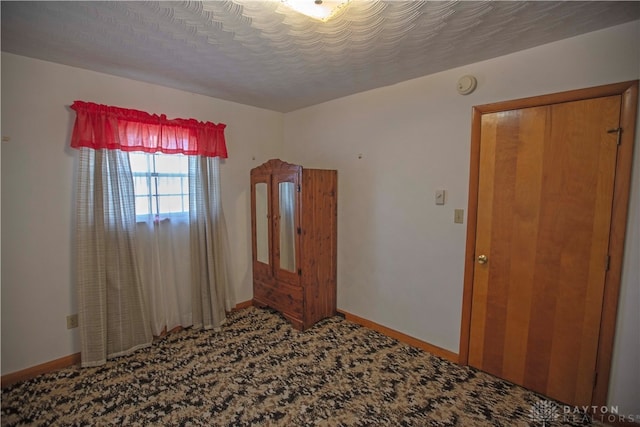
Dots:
pixel 171 163
pixel 142 206
pixel 141 185
pixel 170 204
pixel 161 183
pixel 139 162
pixel 169 185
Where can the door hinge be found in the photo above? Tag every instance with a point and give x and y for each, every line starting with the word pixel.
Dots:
pixel 607 263
pixel 299 230
pixel 299 189
pixel 618 131
pixel 299 272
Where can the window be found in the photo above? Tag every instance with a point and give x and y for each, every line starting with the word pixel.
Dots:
pixel 161 185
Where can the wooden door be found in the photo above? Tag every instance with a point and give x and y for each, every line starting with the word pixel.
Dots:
pixel 544 209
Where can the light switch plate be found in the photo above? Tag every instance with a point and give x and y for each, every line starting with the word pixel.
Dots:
pixel 440 197
pixel 458 216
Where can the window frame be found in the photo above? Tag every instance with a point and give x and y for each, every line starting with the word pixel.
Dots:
pixel 153 196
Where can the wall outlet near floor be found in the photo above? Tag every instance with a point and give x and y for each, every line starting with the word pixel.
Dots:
pixel 72 321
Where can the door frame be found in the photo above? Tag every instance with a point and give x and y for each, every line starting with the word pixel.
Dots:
pixel 629 92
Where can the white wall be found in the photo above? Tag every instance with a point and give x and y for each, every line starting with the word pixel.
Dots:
pixel 625 370
pixel 37 191
pixel 401 257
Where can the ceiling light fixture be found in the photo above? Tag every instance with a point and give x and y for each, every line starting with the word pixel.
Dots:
pixel 322 10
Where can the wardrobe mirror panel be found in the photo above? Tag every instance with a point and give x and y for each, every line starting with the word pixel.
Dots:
pixel 262 223
pixel 286 201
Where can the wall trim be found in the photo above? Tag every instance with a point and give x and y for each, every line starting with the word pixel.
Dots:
pixel 32 372
pixel 242 305
pixel 407 339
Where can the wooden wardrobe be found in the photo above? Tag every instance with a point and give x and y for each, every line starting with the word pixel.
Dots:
pixel 294 239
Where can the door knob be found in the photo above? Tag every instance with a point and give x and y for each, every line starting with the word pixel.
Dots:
pixel 482 259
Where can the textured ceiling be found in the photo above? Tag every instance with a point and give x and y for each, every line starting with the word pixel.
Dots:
pixel 260 53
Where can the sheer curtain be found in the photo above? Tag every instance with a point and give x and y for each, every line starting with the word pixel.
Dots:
pixel 112 314
pixel 117 275
pixel 209 244
pixel 163 249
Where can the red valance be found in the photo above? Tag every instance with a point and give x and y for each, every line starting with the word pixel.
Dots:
pixel 101 126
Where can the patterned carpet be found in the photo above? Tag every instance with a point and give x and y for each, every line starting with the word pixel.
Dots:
pixel 259 371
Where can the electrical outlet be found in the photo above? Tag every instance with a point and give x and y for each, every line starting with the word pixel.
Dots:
pixel 458 216
pixel 72 321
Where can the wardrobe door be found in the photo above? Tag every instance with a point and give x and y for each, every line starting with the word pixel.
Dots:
pixel 261 226
pixel 286 226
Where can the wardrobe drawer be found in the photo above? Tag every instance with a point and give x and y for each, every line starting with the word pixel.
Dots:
pixel 280 296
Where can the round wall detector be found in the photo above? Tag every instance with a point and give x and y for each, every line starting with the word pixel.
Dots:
pixel 466 85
